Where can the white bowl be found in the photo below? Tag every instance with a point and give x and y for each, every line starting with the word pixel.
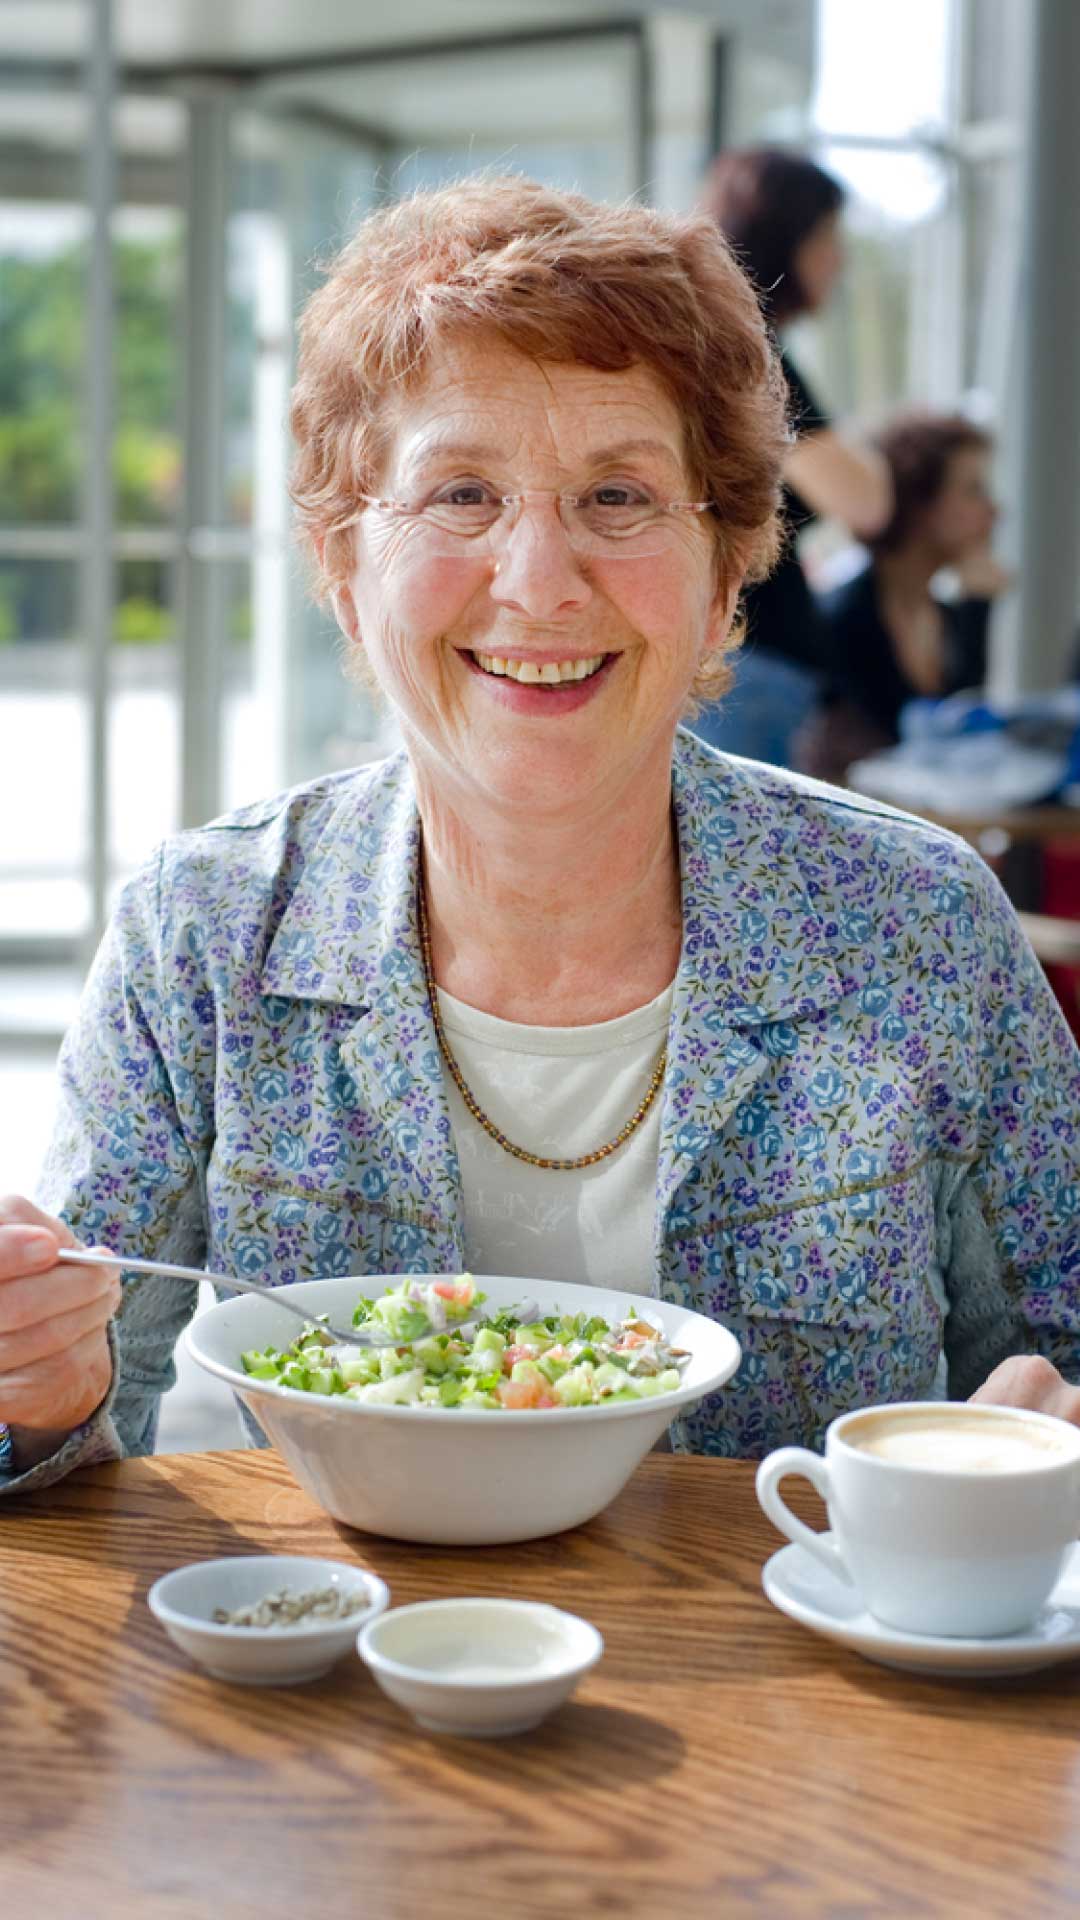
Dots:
pixel 479 1667
pixel 184 1602
pixel 457 1476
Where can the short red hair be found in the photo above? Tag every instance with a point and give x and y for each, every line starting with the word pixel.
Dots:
pixel 559 278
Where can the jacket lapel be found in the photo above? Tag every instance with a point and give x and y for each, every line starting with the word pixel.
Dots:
pixel 349 936
pixel 754 952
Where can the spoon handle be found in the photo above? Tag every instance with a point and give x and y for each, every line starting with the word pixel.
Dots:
pixel 95 1257
pixel 92 1257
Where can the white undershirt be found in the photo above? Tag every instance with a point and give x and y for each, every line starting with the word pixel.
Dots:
pixel 559 1092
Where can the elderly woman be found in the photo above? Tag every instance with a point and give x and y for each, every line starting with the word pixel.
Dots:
pixel 558 990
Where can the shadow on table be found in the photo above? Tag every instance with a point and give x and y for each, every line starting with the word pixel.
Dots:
pixel 610 1744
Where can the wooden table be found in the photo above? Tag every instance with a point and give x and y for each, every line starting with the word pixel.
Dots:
pixel 720 1761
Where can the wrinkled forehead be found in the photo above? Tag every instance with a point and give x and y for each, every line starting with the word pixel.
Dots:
pixel 484 400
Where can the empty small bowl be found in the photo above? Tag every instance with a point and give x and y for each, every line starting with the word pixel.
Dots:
pixel 479 1667
pixel 279 1656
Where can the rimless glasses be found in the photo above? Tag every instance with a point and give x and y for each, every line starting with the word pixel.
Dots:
pixel 471 521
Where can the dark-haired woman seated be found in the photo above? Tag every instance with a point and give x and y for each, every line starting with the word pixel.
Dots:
pixel 782 216
pixel 891 639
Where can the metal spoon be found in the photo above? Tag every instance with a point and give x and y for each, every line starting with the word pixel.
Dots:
pixel 355 1337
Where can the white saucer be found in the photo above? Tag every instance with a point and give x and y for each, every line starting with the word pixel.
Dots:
pixel 801 1587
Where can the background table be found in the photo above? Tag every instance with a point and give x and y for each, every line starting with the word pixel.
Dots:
pixel 720 1761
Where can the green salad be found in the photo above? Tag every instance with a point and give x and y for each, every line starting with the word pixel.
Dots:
pixel 514 1358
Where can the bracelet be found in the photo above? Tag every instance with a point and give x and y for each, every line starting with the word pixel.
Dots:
pixel 7 1450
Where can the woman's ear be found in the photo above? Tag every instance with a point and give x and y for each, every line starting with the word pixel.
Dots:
pixel 342 604
pixel 722 610
pixel 344 608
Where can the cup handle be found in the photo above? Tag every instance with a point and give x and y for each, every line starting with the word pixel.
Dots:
pixel 811 1467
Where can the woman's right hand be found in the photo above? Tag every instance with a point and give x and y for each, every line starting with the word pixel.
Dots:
pixel 55 1366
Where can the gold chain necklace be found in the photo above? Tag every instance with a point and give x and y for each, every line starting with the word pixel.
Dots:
pixel 473 1106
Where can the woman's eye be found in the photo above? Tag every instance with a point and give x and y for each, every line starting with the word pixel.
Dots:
pixel 617 495
pixel 469 494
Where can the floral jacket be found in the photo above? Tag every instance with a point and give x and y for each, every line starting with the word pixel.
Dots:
pixel 870 1138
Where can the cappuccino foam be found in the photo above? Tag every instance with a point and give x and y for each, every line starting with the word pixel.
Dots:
pixel 962 1442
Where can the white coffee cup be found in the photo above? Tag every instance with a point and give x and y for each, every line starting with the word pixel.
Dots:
pixel 947 1518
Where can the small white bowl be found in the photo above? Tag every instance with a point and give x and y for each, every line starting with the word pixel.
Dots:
pixel 184 1602
pixel 479 1667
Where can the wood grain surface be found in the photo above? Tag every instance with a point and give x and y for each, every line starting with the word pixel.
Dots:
pixel 720 1761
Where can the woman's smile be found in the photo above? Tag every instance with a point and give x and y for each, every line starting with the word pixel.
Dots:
pixel 541 682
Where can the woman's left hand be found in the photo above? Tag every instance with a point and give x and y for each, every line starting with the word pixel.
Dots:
pixel 1027 1380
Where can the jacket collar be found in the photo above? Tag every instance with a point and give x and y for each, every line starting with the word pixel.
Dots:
pixel 754 945
pixel 756 951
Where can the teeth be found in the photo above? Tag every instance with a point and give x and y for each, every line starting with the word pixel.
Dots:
pixel 553 673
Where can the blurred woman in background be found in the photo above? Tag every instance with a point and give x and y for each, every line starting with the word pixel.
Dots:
pixel 890 638
pixel 781 214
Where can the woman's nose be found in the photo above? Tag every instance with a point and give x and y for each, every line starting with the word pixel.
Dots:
pixel 536 567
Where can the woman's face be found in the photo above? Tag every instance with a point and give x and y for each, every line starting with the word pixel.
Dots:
pixel 818 261
pixel 961 519
pixel 485 415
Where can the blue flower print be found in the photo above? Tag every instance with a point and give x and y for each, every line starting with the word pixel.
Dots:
pixel 251 1255
pixel 863 1206
pixel 344 1091
pixel 810 1141
pixel 753 927
pixel 405 1243
pixel 862 1165
pixel 407 1137
pixel 717 837
pixel 326 1230
pixel 288 1150
pixel 874 1001
pixel 399 1081
pixel 767 1290
pixel 692 1140
pixel 335 1259
pixel 271 1084
pixel 374 1183
pixel 750 1117
pixel 289 1212
pixel 838 1368
pixel 779 1039
pixel 397 965
pixel 857 927
pixel 827 1087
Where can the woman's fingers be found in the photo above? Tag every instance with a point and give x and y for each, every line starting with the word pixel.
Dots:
pixel 58 1289
pixel 55 1365
pixel 29 1239
pixel 58 1392
pixel 1027 1380
pixel 45 1339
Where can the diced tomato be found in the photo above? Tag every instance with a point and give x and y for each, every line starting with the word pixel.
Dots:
pixel 512 1355
pixel 627 1341
pixel 517 1394
pixel 459 1291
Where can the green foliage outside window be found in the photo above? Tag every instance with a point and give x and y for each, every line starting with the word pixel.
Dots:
pixel 42 348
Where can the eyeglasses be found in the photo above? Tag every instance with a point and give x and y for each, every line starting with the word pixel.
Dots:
pixel 610 522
